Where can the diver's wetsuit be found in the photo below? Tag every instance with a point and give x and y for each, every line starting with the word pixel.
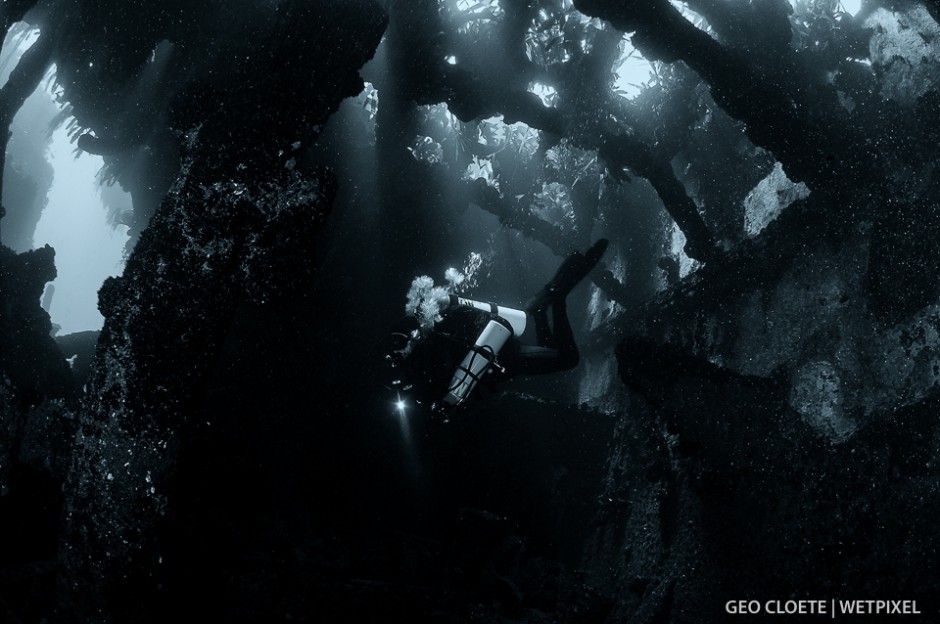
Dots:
pixel 471 345
pixel 495 348
pixel 461 350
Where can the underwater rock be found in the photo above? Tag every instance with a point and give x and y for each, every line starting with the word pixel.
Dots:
pixel 34 425
pixel 755 501
pixel 237 224
pixel 30 362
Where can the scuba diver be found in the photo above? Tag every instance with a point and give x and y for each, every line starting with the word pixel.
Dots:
pixel 448 345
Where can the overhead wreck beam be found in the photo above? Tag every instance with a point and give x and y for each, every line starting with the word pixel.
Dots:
pixel 809 140
pixel 537 229
pixel 619 151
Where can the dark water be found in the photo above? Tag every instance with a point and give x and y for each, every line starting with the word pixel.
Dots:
pixel 752 416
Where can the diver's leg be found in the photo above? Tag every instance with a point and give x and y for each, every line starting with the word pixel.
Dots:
pixel 557 350
pixel 563 337
pixel 543 333
pixel 537 308
pixel 573 269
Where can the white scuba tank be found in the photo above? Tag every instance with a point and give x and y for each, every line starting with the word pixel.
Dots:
pixel 487 345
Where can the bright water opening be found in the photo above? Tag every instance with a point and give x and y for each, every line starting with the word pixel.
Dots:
pixel 75 221
pixel 88 248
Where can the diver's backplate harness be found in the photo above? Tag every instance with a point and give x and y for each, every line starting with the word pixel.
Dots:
pixel 483 353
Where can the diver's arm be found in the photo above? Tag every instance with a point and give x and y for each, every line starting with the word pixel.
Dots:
pixel 516 318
